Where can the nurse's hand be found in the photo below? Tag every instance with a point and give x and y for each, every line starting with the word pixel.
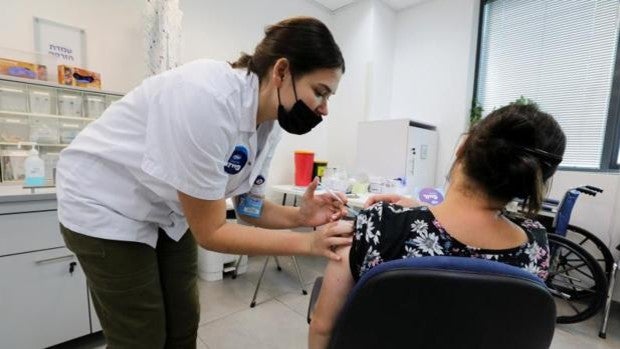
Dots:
pixel 332 235
pixel 392 198
pixel 317 210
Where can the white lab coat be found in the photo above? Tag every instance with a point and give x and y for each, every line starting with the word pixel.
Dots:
pixel 192 129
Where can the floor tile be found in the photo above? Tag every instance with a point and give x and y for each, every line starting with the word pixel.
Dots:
pixel 224 297
pixel 271 325
pixel 297 302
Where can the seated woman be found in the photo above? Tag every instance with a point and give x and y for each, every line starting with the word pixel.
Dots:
pixel 509 154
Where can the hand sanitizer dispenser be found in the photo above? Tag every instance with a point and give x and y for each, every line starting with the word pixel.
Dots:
pixel 34 169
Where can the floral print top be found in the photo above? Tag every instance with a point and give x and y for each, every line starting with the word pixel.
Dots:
pixel 385 232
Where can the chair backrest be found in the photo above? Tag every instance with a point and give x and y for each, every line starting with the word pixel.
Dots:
pixel 446 302
pixel 560 222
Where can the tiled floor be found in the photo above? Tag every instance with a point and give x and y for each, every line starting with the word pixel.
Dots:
pixel 279 318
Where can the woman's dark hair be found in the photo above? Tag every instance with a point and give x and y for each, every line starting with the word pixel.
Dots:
pixel 512 153
pixel 304 41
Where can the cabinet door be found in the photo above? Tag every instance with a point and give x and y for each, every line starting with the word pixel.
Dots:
pixel 42 302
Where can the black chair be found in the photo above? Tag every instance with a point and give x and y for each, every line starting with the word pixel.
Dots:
pixel 445 302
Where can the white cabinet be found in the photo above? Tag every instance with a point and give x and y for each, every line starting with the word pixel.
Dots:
pixel 43 294
pixel 43 299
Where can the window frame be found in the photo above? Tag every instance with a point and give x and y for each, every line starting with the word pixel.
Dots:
pixel 611 141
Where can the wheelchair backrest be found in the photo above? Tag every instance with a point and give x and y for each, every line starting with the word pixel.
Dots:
pixel 562 218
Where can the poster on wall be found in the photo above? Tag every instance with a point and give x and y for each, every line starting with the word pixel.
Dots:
pixel 66 43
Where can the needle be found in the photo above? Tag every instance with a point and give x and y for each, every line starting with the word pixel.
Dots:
pixel 349 209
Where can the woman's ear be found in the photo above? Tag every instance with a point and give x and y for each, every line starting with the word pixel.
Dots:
pixel 280 69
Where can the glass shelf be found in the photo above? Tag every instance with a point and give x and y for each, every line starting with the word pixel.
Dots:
pixel 49 114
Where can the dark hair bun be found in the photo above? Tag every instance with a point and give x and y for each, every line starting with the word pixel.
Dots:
pixel 496 157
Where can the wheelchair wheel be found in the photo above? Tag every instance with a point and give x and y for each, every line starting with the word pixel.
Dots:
pixel 588 241
pixel 593 245
pixel 576 280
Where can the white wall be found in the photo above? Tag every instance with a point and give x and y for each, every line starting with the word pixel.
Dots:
pixel 222 29
pixel 434 65
pixel 382 49
pixel 352 30
pixel 365 33
pixel 114 34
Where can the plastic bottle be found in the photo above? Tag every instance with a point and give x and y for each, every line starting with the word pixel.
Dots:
pixel 34 168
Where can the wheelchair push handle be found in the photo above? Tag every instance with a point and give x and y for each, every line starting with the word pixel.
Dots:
pixel 593 188
pixel 589 190
pixel 586 191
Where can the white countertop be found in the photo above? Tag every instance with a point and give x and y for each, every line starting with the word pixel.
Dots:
pixel 11 193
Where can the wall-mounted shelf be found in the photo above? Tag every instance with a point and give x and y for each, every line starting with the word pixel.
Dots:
pixel 49 114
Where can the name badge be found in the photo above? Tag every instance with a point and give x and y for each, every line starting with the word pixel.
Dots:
pixel 250 205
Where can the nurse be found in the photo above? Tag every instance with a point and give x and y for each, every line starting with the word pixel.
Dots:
pixel 140 187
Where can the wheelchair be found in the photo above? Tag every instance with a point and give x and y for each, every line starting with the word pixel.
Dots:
pixel 580 263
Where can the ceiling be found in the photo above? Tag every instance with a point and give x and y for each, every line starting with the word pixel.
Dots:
pixel 394 4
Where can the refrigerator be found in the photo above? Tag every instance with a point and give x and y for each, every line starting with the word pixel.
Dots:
pixel 399 148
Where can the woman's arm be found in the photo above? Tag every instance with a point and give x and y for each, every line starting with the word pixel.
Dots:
pixel 274 216
pixel 314 210
pixel 207 222
pixel 337 283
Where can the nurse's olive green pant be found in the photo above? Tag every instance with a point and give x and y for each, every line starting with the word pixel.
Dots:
pixel 145 297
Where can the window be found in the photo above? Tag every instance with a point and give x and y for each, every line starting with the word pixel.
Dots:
pixel 562 55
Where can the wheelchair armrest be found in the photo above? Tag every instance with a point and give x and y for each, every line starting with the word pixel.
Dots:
pixel 316 289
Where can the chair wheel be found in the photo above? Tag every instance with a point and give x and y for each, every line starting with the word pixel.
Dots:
pixel 304 292
pixel 252 305
pixel 234 276
pixel 279 269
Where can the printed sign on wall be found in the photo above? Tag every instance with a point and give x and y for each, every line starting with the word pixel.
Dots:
pixel 66 43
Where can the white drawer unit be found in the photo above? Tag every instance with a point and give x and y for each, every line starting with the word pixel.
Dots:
pixel 29 231
pixel 43 299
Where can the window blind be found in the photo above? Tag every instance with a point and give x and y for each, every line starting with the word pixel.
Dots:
pixel 560 54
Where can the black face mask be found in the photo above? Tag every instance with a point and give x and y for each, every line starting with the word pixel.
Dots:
pixel 300 119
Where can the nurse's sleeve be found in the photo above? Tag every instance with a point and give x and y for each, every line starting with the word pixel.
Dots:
pixel 188 137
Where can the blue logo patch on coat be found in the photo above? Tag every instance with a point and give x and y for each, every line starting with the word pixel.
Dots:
pixel 237 160
pixel 259 180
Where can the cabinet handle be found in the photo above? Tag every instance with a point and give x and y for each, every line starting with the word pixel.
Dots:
pixel 55 259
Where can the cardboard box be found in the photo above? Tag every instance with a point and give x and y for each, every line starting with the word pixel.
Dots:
pixel 74 76
pixel 23 69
